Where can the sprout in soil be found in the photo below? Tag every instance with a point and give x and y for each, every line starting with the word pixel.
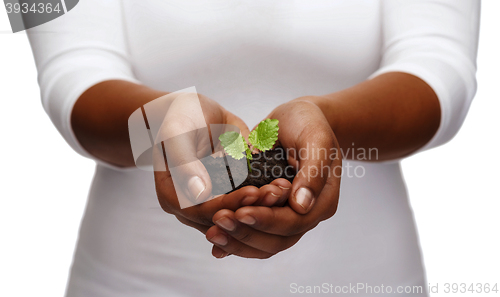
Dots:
pixel 262 138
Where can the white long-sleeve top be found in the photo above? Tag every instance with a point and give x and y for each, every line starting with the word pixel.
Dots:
pixel 251 56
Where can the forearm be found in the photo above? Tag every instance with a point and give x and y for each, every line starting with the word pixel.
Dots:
pixel 394 113
pixel 100 119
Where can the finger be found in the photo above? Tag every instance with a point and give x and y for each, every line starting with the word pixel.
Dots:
pixel 282 221
pixel 285 221
pixel 285 187
pixel 185 139
pixel 181 153
pixel 316 165
pixel 219 253
pixel 188 173
pixel 184 186
pixel 173 194
pixel 165 190
pixel 242 197
pixel 231 246
pixel 270 195
pixel 203 213
pixel 247 236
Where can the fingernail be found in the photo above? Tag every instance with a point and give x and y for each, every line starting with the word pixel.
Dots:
pixel 275 195
pixel 226 223
pixel 248 220
pixel 219 239
pixel 270 200
pixel 283 188
pixel 223 255
pixel 304 198
pixel 196 186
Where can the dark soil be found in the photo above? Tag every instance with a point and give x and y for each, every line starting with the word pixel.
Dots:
pixel 266 167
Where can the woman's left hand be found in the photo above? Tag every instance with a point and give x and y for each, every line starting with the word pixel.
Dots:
pixel 311 146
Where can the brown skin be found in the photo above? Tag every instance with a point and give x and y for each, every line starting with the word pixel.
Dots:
pixel 100 122
pixel 100 119
pixel 396 113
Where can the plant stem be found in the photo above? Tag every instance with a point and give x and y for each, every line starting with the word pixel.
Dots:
pixel 249 167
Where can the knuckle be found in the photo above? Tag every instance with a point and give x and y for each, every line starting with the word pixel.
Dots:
pixel 304 102
pixel 235 249
pixel 197 217
pixel 199 214
pixel 269 224
pixel 203 220
pixel 245 236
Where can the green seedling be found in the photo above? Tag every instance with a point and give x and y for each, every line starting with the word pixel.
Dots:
pixel 262 138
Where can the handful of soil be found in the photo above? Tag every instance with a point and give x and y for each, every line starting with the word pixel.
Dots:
pixel 266 167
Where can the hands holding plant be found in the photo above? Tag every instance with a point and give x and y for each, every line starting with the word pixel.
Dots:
pixel 182 121
pixel 249 222
pixel 261 232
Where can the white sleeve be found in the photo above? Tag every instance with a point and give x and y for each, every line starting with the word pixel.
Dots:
pixel 76 51
pixel 435 40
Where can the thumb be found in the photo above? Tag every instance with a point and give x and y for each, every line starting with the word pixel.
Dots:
pixel 192 183
pixel 317 160
pixel 181 155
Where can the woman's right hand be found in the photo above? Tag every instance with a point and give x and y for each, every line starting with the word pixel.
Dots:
pixel 182 183
pixel 312 147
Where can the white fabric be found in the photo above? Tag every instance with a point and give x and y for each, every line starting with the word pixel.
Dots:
pixel 252 56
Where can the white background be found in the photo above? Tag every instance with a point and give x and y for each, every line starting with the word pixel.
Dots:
pixel 454 189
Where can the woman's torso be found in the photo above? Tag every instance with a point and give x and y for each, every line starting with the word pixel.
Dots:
pixel 250 56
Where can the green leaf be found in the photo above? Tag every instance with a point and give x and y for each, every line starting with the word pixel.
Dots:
pixel 249 153
pixel 265 135
pixel 249 157
pixel 234 144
